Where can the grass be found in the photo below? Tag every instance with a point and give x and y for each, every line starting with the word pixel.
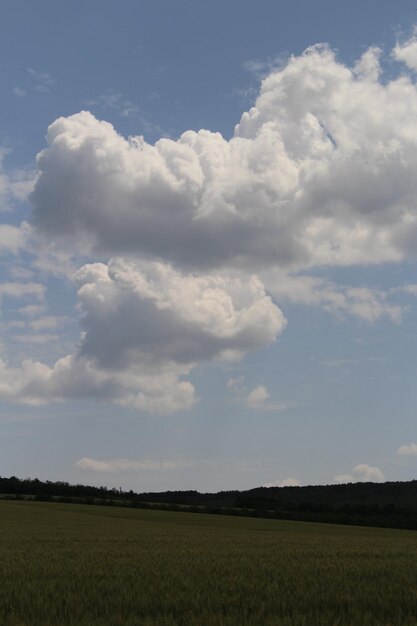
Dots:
pixel 79 565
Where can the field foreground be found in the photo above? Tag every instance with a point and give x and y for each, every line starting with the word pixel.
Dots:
pixel 79 564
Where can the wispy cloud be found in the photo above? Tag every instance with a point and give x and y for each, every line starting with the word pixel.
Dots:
pixel 19 290
pixel 117 102
pixel 262 67
pixel 42 81
pixel 15 184
pixel 340 300
pixel 48 322
pixel 124 107
pixel 19 92
pixel 36 338
pixel 129 465
pixel 32 310
pixel 345 362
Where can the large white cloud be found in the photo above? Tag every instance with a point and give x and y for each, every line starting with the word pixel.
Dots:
pixel 156 390
pixel 320 171
pixel 146 326
pixel 151 313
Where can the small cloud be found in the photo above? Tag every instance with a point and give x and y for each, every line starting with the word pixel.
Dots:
pixel 19 92
pixel 376 359
pixel 287 482
pixel 42 76
pixel 339 300
pixel 244 95
pixel 344 478
pixel 406 52
pixel 116 101
pixel 12 239
pixel 261 67
pixel 13 324
pixel 361 473
pixel 48 321
pixel 42 80
pixel 338 362
pixel 19 290
pixel 128 465
pixel 257 397
pixel 16 185
pixel 32 310
pixel 408 450
pixel 21 273
pixel 410 289
pixel 235 383
pixel 124 107
pixel 36 338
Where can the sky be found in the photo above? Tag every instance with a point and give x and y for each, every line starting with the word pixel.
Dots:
pixel 208 235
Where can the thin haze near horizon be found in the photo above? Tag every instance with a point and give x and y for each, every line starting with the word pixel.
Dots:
pixel 208 242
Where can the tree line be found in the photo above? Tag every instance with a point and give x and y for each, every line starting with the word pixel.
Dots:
pixel 390 504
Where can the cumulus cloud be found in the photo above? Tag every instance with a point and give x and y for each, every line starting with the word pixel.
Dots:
pixel 145 326
pixel 202 230
pixel 361 473
pixel 129 465
pixel 152 310
pixel 408 450
pixel 319 172
pixel 157 390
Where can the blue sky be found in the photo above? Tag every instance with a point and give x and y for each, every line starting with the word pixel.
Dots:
pixel 208 268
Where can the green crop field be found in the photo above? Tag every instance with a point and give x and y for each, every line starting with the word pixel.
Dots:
pixel 79 564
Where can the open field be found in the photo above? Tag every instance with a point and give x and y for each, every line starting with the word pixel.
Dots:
pixel 78 564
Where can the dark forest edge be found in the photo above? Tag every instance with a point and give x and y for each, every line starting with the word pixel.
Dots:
pixel 389 505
